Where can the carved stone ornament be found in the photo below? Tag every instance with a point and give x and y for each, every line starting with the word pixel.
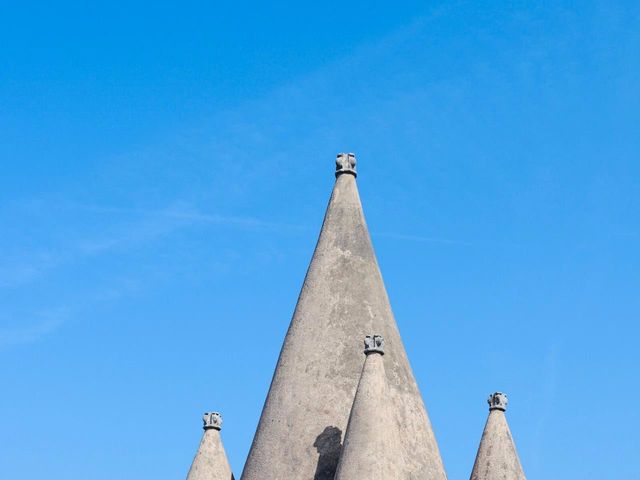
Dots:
pixel 374 344
pixel 212 420
pixel 498 401
pixel 346 163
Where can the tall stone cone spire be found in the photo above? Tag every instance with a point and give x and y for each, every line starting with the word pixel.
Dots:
pixel 372 447
pixel 210 463
pixel 343 297
pixel 497 458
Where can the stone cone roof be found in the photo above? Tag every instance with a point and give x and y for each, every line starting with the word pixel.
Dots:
pixel 372 447
pixel 497 458
pixel 343 298
pixel 210 462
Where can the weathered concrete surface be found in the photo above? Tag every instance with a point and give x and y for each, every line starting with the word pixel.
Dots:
pixel 497 458
pixel 210 462
pixel 307 408
pixel 372 447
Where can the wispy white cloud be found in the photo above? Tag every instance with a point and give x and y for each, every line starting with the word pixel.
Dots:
pixel 43 323
pixel 184 214
pixel 147 226
pixel 16 270
pixel 420 238
pixel 29 327
pixel 18 274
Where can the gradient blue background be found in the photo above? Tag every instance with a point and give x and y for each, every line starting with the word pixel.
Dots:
pixel 164 173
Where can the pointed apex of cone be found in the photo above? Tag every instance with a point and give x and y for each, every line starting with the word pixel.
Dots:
pixel 372 446
pixel 497 457
pixel 210 462
pixel 346 163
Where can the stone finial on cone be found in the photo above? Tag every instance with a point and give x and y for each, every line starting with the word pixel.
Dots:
pixel 346 163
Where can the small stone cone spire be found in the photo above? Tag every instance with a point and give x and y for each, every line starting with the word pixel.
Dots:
pixel 305 415
pixel 210 463
pixel 372 447
pixel 497 458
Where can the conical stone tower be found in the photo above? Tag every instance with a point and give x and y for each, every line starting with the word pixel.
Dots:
pixel 343 298
pixel 210 462
pixel 497 458
pixel 372 447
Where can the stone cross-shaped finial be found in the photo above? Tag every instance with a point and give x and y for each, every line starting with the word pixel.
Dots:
pixel 498 401
pixel 212 420
pixel 374 344
pixel 346 163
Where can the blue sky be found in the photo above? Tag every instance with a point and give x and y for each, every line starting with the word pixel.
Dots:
pixel 165 169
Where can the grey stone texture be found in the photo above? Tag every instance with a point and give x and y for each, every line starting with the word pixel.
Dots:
pixel 372 447
pixel 343 298
pixel 210 462
pixel 497 458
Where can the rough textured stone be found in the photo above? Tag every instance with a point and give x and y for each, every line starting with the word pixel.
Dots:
pixel 497 458
pixel 210 462
pixel 343 298
pixel 372 447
